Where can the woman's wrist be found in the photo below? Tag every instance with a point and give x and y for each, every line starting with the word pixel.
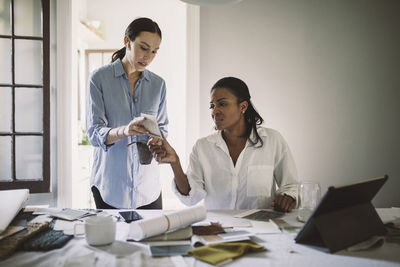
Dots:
pixel 175 162
pixel 115 134
pixel 123 131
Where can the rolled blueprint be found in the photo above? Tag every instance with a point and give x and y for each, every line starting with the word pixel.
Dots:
pixel 142 229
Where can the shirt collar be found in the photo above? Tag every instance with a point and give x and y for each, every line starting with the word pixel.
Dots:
pixel 119 70
pixel 219 140
pixel 146 75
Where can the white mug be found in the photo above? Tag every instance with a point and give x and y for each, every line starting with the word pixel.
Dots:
pixel 99 230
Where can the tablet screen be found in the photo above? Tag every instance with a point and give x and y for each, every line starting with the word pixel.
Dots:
pixel 130 216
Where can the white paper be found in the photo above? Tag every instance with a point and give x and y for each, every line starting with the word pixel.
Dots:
pixel 154 226
pixel 264 228
pixel 231 234
pixel 367 244
pixel 226 223
pixel 71 214
pixel 33 208
pixel 11 202
pixel 236 223
pixel 40 211
pixel 151 125
pixel 388 214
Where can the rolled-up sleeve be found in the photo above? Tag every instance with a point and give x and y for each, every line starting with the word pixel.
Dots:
pixel 196 181
pixel 96 121
pixel 286 173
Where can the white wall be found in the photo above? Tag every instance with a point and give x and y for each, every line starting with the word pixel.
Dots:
pixel 323 73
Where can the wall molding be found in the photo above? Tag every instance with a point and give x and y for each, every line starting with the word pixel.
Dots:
pixel 66 96
pixel 193 78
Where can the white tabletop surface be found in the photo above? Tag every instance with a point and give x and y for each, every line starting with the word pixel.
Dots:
pixel 281 251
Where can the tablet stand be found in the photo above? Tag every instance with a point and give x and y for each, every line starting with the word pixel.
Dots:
pixel 348 226
pixel 344 217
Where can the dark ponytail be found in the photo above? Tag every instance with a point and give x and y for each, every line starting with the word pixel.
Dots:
pixel 239 89
pixel 119 54
pixel 133 30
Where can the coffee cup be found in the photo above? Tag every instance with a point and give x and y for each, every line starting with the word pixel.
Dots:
pixel 145 155
pixel 98 230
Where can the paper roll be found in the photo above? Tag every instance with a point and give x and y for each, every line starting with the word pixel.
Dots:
pixel 145 228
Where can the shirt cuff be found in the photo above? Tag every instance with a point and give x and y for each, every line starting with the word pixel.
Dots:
pixel 290 190
pixel 103 132
pixel 195 194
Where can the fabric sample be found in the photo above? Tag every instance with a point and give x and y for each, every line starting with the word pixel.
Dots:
pixel 217 253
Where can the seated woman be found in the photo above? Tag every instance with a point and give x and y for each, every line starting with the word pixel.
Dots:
pixel 240 166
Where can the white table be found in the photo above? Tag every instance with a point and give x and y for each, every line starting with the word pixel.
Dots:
pixel 281 251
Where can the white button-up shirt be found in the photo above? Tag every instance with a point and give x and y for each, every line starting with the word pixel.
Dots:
pixel 260 173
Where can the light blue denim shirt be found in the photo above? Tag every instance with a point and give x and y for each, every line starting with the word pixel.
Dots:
pixel 122 181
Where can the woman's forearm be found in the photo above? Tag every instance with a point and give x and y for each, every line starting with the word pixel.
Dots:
pixel 181 181
pixel 115 135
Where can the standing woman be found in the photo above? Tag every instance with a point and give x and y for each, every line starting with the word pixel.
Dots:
pixel 242 165
pixel 117 95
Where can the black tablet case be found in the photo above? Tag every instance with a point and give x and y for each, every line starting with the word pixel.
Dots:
pixel 344 217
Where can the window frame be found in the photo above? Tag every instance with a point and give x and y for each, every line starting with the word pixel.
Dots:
pixel 42 185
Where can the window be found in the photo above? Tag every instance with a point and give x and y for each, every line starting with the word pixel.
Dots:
pixel 25 95
pixel 94 58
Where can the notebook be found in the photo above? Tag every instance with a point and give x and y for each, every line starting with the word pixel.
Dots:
pixel 260 215
pixel 71 214
pixel 11 202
